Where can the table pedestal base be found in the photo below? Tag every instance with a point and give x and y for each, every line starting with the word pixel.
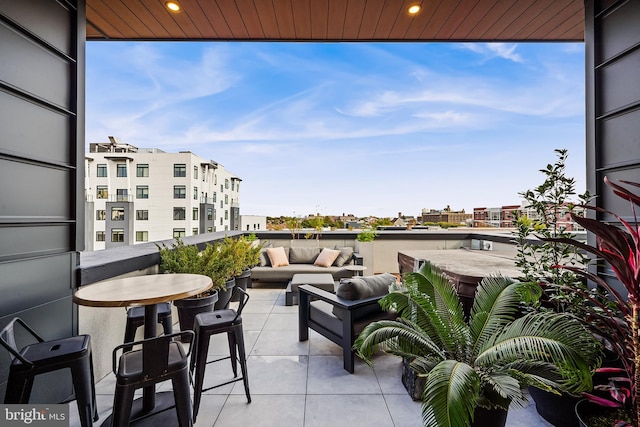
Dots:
pixel 164 413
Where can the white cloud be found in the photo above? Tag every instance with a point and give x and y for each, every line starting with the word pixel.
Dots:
pixel 495 50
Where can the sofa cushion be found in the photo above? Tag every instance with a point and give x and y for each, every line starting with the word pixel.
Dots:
pixel 345 256
pixel 277 257
pixel 300 255
pixel 326 257
pixel 365 287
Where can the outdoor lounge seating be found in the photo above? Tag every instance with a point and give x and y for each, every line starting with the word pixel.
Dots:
pixel 342 316
pixel 303 260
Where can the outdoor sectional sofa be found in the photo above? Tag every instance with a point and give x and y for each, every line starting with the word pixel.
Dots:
pixel 301 260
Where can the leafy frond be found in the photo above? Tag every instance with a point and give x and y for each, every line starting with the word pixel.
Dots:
pixel 496 303
pixel 451 391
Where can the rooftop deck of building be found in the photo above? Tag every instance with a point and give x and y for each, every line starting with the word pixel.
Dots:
pixel 299 384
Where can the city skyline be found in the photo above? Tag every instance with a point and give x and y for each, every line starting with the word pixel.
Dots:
pixel 361 128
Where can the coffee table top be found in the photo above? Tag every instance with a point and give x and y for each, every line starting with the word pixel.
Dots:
pixel 312 279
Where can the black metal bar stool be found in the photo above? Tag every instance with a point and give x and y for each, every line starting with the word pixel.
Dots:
pixel 159 359
pixel 216 322
pixel 135 319
pixel 43 356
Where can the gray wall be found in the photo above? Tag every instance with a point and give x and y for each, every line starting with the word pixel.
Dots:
pixel 613 101
pixel 41 148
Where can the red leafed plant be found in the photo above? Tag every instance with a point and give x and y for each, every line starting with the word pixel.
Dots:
pixel 617 320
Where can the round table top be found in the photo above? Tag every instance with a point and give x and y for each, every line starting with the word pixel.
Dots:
pixel 141 290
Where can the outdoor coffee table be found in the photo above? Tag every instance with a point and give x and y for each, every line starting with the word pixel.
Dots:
pixel 323 281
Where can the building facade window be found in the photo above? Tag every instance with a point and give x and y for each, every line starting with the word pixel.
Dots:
pixel 221 204
pixel 226 199
pixel 215 197
pixel 209 229
pixel 178 232
pixel 142 192
pixel 142 170
pixel 226 183
pixel 195 193
pixel 117 214
pixel 121 170
pixel 100 236
pixel 233 185
pixel 179 213
pixel 122 194
pixel 179 192
pixel 226 214
pixel 142 215
pixel 221 188
pixel 102 172
pixel 102 192
pixel 179 170
pixel 101 215
pixel 194 231
pixel 195 172
pixel 142 236
pixel 220 220
pixel 194 215
pixel 209 214
pixel 117 235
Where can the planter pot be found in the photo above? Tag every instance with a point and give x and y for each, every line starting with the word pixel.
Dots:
pixel 556 409
pixel 411 381
pixel 586 409
pixel 224 296
pixel 242 282
pixel 489 417
pixel 189 307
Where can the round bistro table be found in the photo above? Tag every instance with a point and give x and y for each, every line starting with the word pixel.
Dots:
pixel 147 291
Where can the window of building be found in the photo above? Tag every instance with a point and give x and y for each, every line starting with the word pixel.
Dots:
pixel 117 235
pixel 194 231
pixel 233 185
pixel 121 170
pixel 102 192
pixel 209 229
pixel 102 172
pixel 226 199
pixel 226 214
pixel 179 170
pixel 195 172
pixel 221 204
pixel 226 183
pixel 142 236
pixel 215 179
pixel 179 192
pixel 209 214
pixel 178 232
pixel 221 188
pixel 142 215
pixel 100 236
pixel 179 213
pixel 194 215
pixel 195 193
pixel 117 214
pixel 237 186
pixel 215 196
pixel 142 192
pixel 101 215
pixel 220 220
pixel 142 170
pixel 122 194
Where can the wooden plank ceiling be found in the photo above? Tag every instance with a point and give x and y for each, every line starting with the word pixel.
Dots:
pixel 337 20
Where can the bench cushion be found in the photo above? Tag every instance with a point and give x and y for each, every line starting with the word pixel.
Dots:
pixel 366 286
pixel 303 255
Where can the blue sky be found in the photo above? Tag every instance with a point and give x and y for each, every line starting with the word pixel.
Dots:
pixel 362 128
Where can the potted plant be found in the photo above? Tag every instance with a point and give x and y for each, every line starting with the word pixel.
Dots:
pixel 226 262
pixel 181 258
pixel 617 317
pixel 484 362
pixel 536 257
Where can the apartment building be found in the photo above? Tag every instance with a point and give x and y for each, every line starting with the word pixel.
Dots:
pixel 505 216
pixel 135 195
pixel 444 215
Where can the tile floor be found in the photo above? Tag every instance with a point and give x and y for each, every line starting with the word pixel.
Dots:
pixel 299 384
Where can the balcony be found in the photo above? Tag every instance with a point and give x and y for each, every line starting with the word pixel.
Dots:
pixel 292 383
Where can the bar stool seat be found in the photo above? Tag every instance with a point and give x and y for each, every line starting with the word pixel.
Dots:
pixel 216 322
pixel 43 356
pixel 135 319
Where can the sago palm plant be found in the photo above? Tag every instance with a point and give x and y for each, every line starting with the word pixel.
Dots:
pixel 485 360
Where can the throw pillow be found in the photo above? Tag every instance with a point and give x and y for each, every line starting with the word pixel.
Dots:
pixel 301 255
pixel 345 256
pixel 277 256
pixel 326 257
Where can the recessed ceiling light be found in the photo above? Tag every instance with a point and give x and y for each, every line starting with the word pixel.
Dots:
pixel 173 6
pixel 413 9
